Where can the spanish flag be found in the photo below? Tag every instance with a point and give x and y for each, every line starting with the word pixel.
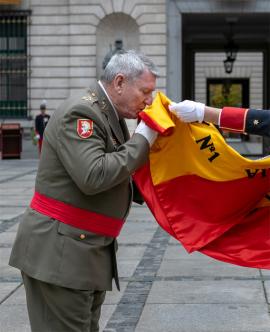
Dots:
pixel 205 194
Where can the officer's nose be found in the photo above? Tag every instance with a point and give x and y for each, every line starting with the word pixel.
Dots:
pixel 149 100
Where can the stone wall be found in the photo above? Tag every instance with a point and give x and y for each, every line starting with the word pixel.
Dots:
pixel 66 44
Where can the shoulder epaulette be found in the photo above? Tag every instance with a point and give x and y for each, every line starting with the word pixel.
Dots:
pixel 91 97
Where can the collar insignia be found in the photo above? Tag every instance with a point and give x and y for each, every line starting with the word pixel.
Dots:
pixel 103 104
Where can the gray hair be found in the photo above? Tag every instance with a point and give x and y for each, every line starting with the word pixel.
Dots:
pixel 130 63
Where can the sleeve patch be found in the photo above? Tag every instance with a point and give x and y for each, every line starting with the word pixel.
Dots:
pixel 85 128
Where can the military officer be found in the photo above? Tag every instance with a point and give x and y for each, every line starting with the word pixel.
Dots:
pixel 66 242
pixel 234 119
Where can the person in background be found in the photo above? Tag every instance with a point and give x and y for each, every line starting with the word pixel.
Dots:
pixel 66 243
pixel 41 121
pixel 234 119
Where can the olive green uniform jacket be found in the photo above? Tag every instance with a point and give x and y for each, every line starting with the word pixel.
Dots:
pixel 89 173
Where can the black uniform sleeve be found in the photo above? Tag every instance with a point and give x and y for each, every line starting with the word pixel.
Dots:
pixel 258 122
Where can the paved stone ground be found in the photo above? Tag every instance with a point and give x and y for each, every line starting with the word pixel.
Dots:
pixel 163 289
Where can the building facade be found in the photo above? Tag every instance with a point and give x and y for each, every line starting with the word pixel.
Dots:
pixel 50 49
pixel 67 41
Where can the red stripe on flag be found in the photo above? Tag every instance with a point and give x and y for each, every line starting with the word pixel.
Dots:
pixel 200 210
pixel 197 212
pixel 247 244
pixel 144 183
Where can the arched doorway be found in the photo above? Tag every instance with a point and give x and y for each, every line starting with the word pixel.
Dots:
pixel 116 26
pixel 112 28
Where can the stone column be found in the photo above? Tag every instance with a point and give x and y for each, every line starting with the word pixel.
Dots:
pixel 174 52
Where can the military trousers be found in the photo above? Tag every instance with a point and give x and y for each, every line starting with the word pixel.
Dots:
pixel 53 308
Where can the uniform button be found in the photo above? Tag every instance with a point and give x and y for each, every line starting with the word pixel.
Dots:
pixel 82 236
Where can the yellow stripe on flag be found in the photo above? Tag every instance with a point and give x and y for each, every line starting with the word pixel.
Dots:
pixel 195 149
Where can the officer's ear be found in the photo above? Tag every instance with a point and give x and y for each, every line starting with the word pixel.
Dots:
pixel 119 83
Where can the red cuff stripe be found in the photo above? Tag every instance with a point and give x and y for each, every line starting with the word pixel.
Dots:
pixel 233 119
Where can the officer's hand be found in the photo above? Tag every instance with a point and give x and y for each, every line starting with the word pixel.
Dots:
pixel 147 132
pixel 37 137
pixel 188 111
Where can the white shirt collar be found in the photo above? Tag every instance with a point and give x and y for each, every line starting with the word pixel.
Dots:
pixel 104 90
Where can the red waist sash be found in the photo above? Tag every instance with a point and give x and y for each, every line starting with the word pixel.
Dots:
pixel 76 217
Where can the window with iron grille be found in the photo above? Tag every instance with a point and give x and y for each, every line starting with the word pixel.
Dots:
pixel 13 64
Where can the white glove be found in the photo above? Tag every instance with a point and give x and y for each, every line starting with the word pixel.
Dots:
pixel 188 111
pixel 37 137
pixel 147 132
